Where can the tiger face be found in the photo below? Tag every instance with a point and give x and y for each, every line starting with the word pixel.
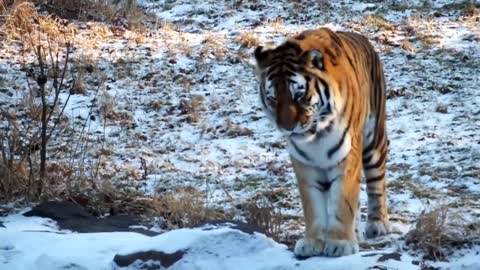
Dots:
pixel 294 89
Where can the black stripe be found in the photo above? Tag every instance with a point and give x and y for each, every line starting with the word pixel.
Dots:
pixel 329 127
pixel 375 194
pixel 377 164
pixel 325 86
pixel 288 73
pixel 289 66
pixel 339 219
pixel 367 159
pixel 350 208
pixel 329 108
pixel 262 95
pixel 376 178
pixel 340 143
pixel 344 134
pixel 369 147
pixel 292 81
pixel 332 56
pixel 317 88
pixel 336 42
pixel 291 45
pixel 351 62
pixel 300 151
pixel 300 37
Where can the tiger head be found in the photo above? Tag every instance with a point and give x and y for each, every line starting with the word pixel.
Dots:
pixel 296 88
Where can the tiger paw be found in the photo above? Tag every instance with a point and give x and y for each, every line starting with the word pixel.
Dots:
pixel 307 247
pixel 377 228
pixel 337 248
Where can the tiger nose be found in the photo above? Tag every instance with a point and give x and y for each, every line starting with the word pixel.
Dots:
pixel 286 118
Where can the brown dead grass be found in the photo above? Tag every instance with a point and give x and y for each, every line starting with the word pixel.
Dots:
pixel 233 130
pixel 192 108
pixel 213 46
pixel 99 10
pixel 25 25
pixel 248 40
pixel 379 23
pixel 262 214
pixel 186 207
pixel 438 233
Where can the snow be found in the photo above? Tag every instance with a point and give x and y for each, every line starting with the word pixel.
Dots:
pixel 208 247
pixel 434 153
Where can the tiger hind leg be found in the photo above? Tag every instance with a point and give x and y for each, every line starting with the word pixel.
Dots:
pixel 374 167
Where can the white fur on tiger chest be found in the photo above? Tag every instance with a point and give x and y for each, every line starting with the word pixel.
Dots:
pixel 324 149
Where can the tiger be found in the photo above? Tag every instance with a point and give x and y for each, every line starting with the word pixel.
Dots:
pixel 325 92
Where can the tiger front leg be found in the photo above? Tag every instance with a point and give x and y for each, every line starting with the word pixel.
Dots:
pixel 329 200
pixel 314 211
pixel 342 205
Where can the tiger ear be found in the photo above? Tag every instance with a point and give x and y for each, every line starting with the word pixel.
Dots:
pixel 260 54
pixel 314 58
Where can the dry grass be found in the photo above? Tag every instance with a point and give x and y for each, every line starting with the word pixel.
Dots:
pixel 213 46
pixel 233 130
pixel 20 17
pixel 248 40
pixel 23 24
pixel 379 23
pixel 467 8
pixel 192 108
pixel 95 10
pixel 428 40
pixel 438 233
pixel 262 214
pixel 186 207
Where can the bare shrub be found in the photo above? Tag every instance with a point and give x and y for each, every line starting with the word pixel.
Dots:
pixel 46 78
pixel 438 233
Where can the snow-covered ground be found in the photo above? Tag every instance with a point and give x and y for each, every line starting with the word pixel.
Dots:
pixel 186 108
pixel 37 243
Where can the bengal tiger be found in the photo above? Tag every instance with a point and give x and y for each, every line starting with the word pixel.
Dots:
pixel 325 91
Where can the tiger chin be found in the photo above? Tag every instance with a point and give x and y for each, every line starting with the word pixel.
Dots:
pixel 325 91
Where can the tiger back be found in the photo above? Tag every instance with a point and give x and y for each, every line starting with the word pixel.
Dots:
pixel 325 91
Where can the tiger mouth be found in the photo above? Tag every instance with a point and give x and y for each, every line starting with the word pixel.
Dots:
pixel 311 130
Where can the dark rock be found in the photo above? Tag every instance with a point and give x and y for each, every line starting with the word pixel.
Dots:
pixel 6 92
pixel 71 216
pixel 240 226
pixel 1 225
pixel 390 256
pixel 146 258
